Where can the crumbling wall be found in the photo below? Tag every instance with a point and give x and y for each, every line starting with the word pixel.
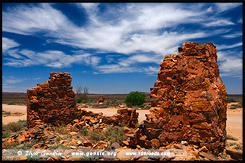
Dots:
pixel 189 101
pixel 51 102
pixel 101 99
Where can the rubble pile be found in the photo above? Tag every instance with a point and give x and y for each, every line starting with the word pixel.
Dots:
pixel 44 135
pixel 189 101
pixel 124 117
pixel 101 99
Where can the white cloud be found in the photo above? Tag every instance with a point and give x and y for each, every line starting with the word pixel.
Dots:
pixel 8 44
pixel 27 20
pixel 226 6
pixel 134 29
pixel 56 59
pixel 219 22
pixel 140 32
pixel 11 80
pixel 230 65
pixel 222 47
pixel 37 78
pixel 114 68
pixel 233 35
pixel 152 70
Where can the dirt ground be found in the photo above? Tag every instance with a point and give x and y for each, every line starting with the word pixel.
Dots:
pixel 234 117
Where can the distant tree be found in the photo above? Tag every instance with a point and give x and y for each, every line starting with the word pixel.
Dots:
pixel 81 93
pixel 135 98
pixel 85 93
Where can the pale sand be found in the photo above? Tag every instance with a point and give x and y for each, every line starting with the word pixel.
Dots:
pixel 234 117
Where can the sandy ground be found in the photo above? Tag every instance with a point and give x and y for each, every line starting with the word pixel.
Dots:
pixel 234 117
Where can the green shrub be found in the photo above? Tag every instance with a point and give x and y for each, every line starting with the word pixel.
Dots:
pixel 231 137
pixel 135 98
pixel 237 146
pixel 58 138
pixel 84 131
pixel 56 146
pixel 32 158
pixel 23 122
pixel 234 106
pixel 96 136
pixel 6 134
pixel 61 130
pixel 15 126
pixel 86 158
pixel 79 99
pixel 6 113
pixel 231 100
pixel 115 134
pixel 27 145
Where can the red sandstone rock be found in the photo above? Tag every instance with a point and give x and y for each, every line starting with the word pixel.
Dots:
pixel 51 102
pixel 101 99
pixel 188 100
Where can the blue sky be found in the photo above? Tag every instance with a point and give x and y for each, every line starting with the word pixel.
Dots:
pixel 114 47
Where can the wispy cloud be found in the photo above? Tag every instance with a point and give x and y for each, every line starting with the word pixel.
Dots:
pixel 56 59
pixel 37 78
pixel 8 44
pixel 11 80
pixel 152 70
pixel 114 68
pixel 142 33
pixel 219 22
pixel 226 6
pixel 137 28
pixel 222 47
pixel 233 35
pixel 230 64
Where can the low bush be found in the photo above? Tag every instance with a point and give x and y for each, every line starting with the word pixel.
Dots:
pixel 234 106
pixel 135 98
pixel 15 126
pixel 61 130
pixel 96 136
pixel 6 134
pixel 115 134
pixel 84 131
pixel 231 100
pixel 86 158
pixel 58 138
pixel 231 137
pixel 6 113
pixel 56 146
pixel 26 146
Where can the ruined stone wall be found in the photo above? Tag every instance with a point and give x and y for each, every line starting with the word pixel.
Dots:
pixel 189 101
pixel 51 102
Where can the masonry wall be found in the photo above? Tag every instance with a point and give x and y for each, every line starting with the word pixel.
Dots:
pixel 189 101
pixel 52 101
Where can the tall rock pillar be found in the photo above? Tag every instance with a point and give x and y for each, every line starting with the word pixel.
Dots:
pixel 189 101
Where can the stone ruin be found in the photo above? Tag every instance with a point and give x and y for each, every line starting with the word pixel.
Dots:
pixel 189 101
pixel 53 102
pixel 101 99
pixel 188 109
